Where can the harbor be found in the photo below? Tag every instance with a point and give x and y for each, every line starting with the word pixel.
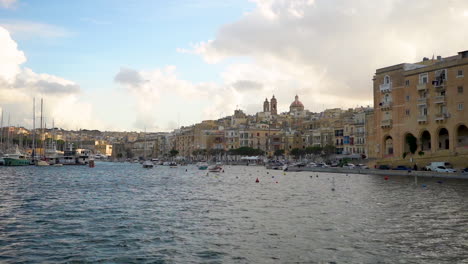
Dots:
pixel 123 213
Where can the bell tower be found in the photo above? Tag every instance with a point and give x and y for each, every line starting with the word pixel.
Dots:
pixel 273 103
pixel 266 106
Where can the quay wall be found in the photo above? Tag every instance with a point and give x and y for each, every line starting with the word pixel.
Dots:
pixel 430 174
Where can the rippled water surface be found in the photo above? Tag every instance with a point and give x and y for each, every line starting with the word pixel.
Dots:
pixel 122 213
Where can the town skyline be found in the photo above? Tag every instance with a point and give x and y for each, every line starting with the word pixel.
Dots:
pixel 128 72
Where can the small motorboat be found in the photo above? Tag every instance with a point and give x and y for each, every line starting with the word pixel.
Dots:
pixel 215 168
pixel 42 163
pixel 202 166
pixel 173 165
pixel 147 164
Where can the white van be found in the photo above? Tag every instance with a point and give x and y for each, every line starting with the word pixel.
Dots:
pixel 435 166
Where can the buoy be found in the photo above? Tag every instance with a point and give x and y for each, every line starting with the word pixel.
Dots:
pixel 284 173
pixel 424 185
pixel 223 171
pixel 316 176
pixel 333 189
pixel 272 177
pixel 386 178
pixel 257 181
pixel 276 181
pixel 268 172
pixel 185 170
pixel 439 181
pixel 311 176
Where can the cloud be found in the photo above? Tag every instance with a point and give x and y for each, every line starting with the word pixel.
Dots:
pixel 29 29
pixel 246 85
pixel 327 50
pixel 18 86
pixel 8 3
pixel 128 77
pixel 94 21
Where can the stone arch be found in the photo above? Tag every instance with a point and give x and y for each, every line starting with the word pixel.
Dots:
pixel 388 145
pixel 462 135
pixel 425 141
pixel 410 143
pixel 443 140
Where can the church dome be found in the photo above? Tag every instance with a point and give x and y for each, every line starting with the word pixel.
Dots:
pixel 297 104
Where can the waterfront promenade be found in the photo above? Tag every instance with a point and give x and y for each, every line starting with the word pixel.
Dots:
pixel 412 173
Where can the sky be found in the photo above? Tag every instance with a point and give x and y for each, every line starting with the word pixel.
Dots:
pixel 130 65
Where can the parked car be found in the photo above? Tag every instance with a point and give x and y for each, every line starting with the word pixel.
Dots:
pixel 312 165
pixel 443 169
pixel 322 165
pixel 401 167
pixel 383 167
pixel 362 166
pixel 465 170
pixel 349 166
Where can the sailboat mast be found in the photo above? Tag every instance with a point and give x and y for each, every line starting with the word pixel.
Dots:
pixel 144 151
pixel 42 132
pixel 8 132
pixel 1 125
pixel 34 129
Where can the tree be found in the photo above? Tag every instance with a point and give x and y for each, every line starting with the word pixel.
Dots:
pixel 279 152
pixel 173 152
pixel 329 150
pixel 297 152
pixel 412 143
pixel 315 150
pixel 246 151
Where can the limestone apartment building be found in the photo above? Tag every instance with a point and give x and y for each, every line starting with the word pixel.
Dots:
pixel 421 112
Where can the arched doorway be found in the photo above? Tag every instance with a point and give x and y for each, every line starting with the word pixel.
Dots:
pixel 388 146
pixel 411 143
pixel 462 136
pixel 425 141
pixel 444 142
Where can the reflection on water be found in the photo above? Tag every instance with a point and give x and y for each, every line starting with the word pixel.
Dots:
pixel 126 214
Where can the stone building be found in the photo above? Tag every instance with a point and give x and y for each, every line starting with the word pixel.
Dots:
pixel 420 112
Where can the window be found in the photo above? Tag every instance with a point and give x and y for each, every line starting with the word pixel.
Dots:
pixel 407 112
pixel 386 79
pixel 460 106
pixel 407 82
pixel 460 89
pixel 407 98
pixel 460 73
pixel 423 78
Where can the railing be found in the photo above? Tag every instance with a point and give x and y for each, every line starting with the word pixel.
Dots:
pixel 386 105
pixel 441 116
pixel 439 99
pixel 386 87
pixel 422 101
pixel 386 123
pixel 421 87
pixel 422 118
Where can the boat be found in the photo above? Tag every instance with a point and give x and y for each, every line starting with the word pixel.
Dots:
pixel 215 168
pixel 16 159
pixel 275 165
pixel 148 164
pixel 173 165
pixel 42 163
pixel 202 165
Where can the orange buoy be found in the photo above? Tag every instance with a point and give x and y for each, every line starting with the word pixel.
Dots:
pixel 386 178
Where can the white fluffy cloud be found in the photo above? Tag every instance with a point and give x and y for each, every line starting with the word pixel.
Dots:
pixel 328 50
pixel 18 85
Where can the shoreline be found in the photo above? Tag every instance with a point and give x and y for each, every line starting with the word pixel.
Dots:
pixel 427 174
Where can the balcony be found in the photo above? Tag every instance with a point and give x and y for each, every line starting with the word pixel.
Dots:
pixel 386 87
pixel 386 123
pixel 439 84
pixel 440 117
pixel 421 87
pixel 439 99
pixel 422 119
pixel 384 106
pixel 422 101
